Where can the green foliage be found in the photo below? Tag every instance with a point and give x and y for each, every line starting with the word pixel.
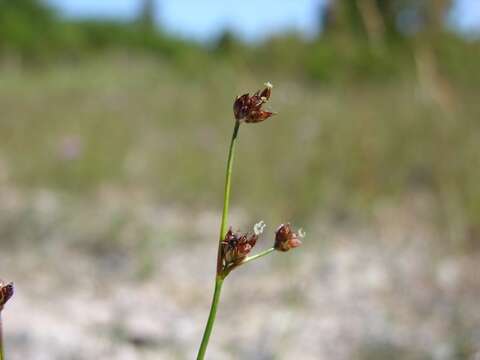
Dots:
pixel 21 23
pixel 35 33
pixel 145 124
pixel 370 129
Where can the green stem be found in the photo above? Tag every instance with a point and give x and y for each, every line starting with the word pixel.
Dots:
pixel 228 181
pixel 223 230
pixel 257 256
pixel 1 338
pixel 211 318
pixel 226 194
pixel 248 259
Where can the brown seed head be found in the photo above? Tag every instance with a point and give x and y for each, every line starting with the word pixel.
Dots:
pixel 286 239
pixel 6 292
pixel 249 108
pixel 235 248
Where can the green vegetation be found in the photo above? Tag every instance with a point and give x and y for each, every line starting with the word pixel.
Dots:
pixel 87 104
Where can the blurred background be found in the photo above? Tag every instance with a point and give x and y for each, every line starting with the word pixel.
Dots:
pixel 115 117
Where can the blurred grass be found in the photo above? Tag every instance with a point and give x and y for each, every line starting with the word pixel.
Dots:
pixel 137 122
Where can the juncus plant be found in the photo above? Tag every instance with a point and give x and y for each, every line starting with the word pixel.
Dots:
pixel 234 247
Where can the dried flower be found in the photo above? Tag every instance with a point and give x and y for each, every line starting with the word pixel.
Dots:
pixel 286 239
pixel 6 292
pixel 235 248
pixel 249 108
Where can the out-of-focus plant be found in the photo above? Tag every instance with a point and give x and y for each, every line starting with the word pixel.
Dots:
pixel 6 292
pixel 234 247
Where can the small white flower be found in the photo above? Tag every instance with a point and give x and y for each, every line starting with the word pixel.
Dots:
pixel 301 233
pixel 259 227
pixel 268 84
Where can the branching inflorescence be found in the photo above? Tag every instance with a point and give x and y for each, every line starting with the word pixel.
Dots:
pixel 234 247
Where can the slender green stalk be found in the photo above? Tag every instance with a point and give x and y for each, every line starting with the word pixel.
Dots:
pixel 211 318
pixel 228 181
pixel 258 256
pixel 251 258
pixel 1 338
pixel 226 194
pixel 223 230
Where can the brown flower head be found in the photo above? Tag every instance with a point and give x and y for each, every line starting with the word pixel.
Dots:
pixel 286 239
pixel 6 292
pixel 235 248
pixel 249 108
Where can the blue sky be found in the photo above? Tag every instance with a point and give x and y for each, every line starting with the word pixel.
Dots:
pixel 251 19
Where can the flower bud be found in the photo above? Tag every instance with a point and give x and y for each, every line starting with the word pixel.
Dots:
pixel 249 108
pixel 6 292
pixel 267 92
pixel 286 239
pixel 235 247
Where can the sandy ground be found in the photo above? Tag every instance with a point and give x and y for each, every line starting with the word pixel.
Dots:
pixel 121 278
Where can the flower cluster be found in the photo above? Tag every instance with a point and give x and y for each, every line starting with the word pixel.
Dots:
pixel 6 292
pixel 235 248
pixel 249 108
pixel 286 239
